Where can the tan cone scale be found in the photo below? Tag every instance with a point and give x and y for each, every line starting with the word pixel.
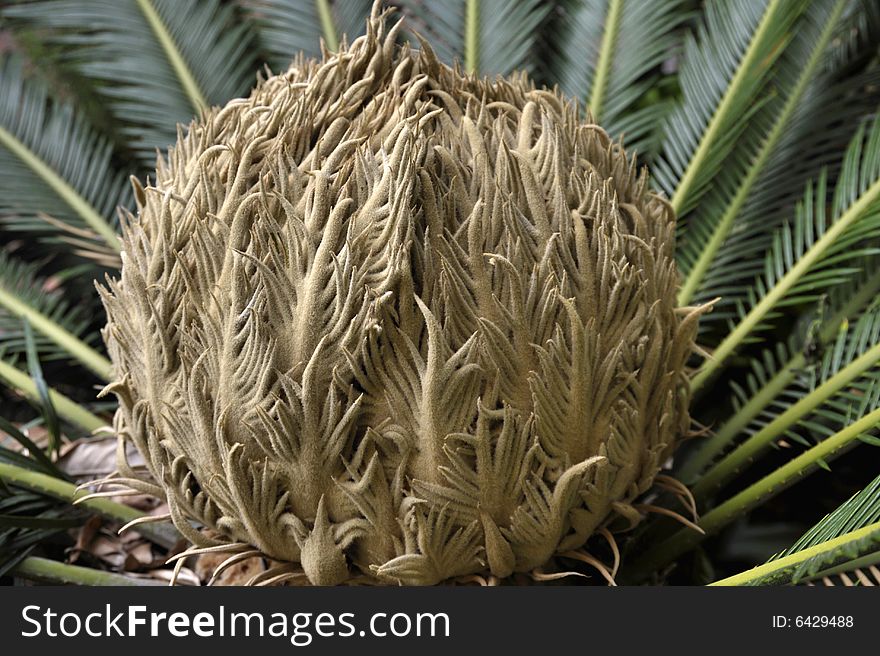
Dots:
pixel 392 322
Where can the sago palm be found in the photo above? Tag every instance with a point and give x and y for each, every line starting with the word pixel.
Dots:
pixel 381 315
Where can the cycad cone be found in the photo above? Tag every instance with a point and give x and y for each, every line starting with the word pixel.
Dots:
pixel 385 320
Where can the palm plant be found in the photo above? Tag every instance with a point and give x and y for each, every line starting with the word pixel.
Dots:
pixel 756 119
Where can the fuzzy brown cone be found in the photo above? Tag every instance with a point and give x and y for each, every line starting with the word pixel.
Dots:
pixel 387 321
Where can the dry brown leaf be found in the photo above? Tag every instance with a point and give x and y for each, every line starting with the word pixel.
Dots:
pixel 92 457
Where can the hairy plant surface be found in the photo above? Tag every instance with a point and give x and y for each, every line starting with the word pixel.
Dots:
pixel 388 321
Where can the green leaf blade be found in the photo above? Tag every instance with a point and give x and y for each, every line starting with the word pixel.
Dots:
pixel 157 62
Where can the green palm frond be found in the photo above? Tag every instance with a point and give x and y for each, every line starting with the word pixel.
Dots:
pixel 863 421
pixel 52 164
pixel 350 17
pixel 50 416
pixel 28 520
pixel 794 78
pixel 67 409
pixel 34 459
pixel 846 539
pixel 805 125
pixel 820 401
pixel 286 28
pixel 772 384
pixel 859 511
pixel 36 502
pixel 443 23
pixel 490 37
pixel 740 259
pixel 850 48
pixel 608 53
pixel 723 70
pixel 62 329
pixel 157 63
pixel 816 249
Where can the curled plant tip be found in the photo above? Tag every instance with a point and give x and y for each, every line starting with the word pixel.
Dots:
pixel 680 491
pixel 175 574
pixel 229 562
pixel 629 514
pixel 149 519
pixel 700 430
pixel 103 495
pixel 390 323
pixel 198 551
pixel 704 353
pixel 649 508
pixel 615 550
pixel 483 582
pixel 98 483
pixel 542 577
pixel 276 575
pixel 593 562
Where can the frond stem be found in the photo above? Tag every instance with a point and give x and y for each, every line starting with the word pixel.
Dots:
pixel 731 464
pixel 695 276
pixel 718 442
pixel 66 408
pixel 606 57
pixel 175 58
pixel 472 36
pixel 67 193
pixel 328 28
pixel 757 402
pixel 850 564
pixel 77 348
pixel 792 561
pixel 777 293
pixel 754 495
pixel 52 571
pixel 164 535
pixel 715 129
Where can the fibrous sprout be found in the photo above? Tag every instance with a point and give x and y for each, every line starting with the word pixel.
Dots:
pixel 386 321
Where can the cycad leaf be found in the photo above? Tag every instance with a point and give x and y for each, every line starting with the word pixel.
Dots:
pixel 156 62
pixel 816 248
pixel 52 163
pixel 350 17
pixel 772 381
pixel 490 37
pixel 286 28
pixel 793 79
pixel 27 520
pixel 723 71
pixel 819 401
pixel 819 456
pixel 50 417
pixel 608 54
pixel 72 412
pixel 62 330
pixel 722 250
pixel 27 517
pixel 836 543
pixel 865 29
